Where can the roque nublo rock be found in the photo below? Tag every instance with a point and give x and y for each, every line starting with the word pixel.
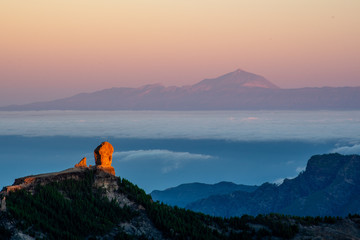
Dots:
pixel 103 154
pixel 103 157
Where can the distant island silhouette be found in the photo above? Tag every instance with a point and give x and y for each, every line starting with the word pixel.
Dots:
pixel 237 90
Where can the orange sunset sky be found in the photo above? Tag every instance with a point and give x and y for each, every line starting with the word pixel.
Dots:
pixel 56 48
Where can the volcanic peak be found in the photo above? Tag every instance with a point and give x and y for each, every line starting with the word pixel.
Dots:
pixel 235 79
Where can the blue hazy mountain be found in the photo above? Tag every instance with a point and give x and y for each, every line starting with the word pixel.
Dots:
pixel 184 194
pixel 238 90
pixel 330 186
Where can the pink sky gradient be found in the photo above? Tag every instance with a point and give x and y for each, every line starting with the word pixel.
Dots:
pixel 53 49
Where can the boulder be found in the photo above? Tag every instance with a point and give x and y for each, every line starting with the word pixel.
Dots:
pixel 103 157
pixel 103 154
pixel 82 163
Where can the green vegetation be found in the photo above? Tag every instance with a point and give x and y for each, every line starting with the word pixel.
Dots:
pixel 309 221
pixel 4 233
pixel 355 218
pixel 124 236
pixel 76 210
pixel 178 223
pixel 66 210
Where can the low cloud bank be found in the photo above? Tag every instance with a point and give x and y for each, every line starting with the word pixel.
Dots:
pixel 354 149
pixel 169 160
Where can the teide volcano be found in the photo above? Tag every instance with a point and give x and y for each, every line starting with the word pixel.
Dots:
pixel 234 80
pixel 238 90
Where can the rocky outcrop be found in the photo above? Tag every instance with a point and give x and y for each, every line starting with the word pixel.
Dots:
pixel 30 182
pixel 82 163
pixel 103 154
pixel 347 228
pixel 103 157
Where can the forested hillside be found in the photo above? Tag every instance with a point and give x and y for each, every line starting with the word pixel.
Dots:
pixel 94 204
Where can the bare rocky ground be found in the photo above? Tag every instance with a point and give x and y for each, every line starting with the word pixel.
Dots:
pixel 345 229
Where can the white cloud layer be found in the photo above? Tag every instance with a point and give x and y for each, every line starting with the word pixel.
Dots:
pixel 230 125
pixel 169 160
pixel 355 149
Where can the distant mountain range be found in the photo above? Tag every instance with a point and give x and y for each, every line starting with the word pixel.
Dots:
pixel 330 186
pixel 238 90
pixel 185 194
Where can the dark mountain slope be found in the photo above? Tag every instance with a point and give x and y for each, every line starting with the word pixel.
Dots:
pixel 330 185
pixel 187 193
pixel 89 203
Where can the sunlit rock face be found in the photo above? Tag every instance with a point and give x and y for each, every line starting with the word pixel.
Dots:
pixel 103 157
pixel 81 164
pixel 103 154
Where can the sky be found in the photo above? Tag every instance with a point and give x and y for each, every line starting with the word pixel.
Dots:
pixel 54 49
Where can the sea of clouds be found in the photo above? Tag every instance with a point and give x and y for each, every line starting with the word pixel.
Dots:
pixel 242 142
pixel 229 125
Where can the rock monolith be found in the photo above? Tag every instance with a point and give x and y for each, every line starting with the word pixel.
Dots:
pixel 81 164
pixel 103 157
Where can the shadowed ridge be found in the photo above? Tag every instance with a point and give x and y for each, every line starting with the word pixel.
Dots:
pixel 328 187
pixel 185 194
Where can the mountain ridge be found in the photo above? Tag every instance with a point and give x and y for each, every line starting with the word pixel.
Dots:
pixel 184 194
pixel 237 90
pixel 328 186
